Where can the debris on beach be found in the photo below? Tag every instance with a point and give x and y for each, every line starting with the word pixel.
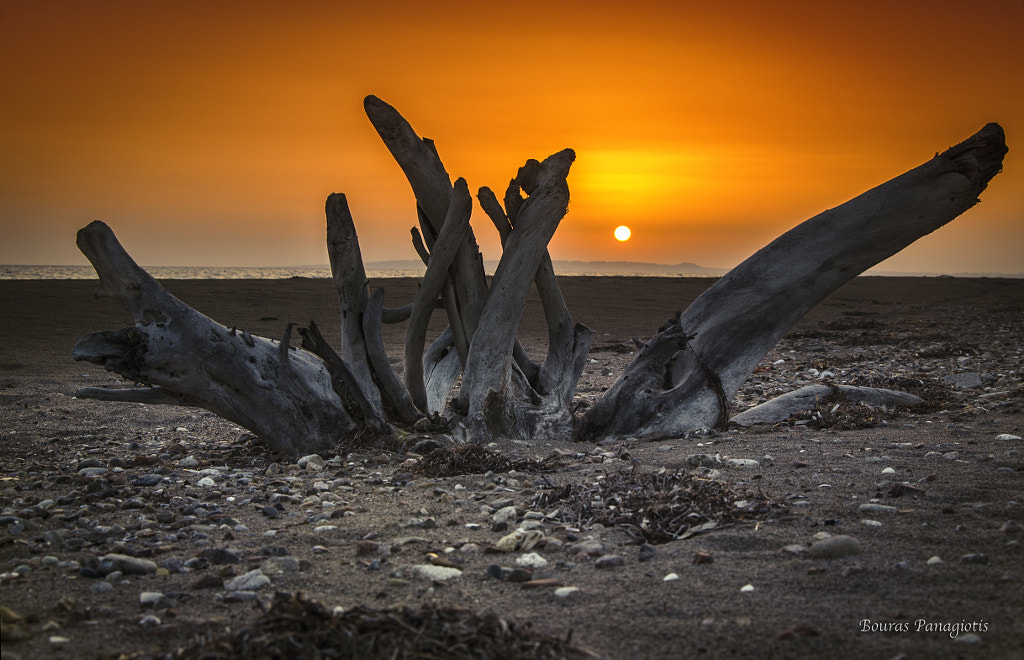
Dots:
pixel 297 627
pixel 477 459
pixel 656 507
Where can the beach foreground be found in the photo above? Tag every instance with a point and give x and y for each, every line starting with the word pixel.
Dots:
pixel 135 531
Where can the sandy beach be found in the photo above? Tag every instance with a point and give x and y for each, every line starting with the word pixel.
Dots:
pixel 934 569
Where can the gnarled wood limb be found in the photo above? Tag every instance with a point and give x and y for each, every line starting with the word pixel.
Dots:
pixel 446 247
pixel 568 342
pixel 712 348
pixel 193 360
pixel 351 284
pixel 493 392
pixel 398 403
pixel 433 190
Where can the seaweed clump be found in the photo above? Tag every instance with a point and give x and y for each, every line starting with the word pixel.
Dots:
pixel 656 507
pixel 296 627
pixel 476 459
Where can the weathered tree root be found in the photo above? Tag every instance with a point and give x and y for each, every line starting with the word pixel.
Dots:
pixel 301 400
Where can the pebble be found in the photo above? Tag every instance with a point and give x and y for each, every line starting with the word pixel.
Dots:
pixel 1007 437
pixel 252 581
pixel 747 588
pixel 312 463
pixel 126 564
pixel 794 549
pixel 152 599
pixel 206 482
pixel 531 560
pixel 519 540
pixel 876 508
pixel 591 547
pixel 743 463
pixel 504 514
pixel 835 547
pixel 99 588
pixel 964 381
pixel 565 592
pixel 932 561
pixel 704 460
pixel 609 561
pixel 968 638
pixel 276 566
pixel 974 558
pixel 432 573
pixel 671 577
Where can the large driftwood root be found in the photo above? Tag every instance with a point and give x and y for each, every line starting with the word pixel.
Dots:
pixel 309 399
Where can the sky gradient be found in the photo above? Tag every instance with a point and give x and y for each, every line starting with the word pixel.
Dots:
pixel 210 133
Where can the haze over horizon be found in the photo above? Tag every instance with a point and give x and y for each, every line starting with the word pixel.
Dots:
pixel 211 133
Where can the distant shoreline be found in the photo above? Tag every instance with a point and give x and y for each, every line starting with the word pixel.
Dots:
pixel 381 270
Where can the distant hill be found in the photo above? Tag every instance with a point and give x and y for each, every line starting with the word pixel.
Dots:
pixel 565 267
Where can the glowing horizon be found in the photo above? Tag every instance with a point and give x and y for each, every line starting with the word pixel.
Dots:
pixel 212 134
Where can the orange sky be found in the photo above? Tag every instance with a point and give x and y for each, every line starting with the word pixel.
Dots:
pixel 211 132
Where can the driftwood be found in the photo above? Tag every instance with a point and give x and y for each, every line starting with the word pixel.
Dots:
pixel 312 398
pixel 807 398
pixel 685 376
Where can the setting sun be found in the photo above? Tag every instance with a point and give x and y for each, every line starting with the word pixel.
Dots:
pixel 622 233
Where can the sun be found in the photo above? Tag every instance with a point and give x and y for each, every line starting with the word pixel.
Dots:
pixel 622 233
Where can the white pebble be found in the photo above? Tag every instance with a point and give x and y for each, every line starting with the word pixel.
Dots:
pixel 747 588
pixel 531 560
pixel 671 577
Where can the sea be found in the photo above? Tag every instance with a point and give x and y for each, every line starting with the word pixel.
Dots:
pixel 564 269
pixel 193 272
pixel 294 272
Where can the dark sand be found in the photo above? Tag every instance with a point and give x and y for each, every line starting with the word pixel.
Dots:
pixel 965 485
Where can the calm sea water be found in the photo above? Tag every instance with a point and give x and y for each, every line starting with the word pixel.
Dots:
pixel 190 273
pixel 255 273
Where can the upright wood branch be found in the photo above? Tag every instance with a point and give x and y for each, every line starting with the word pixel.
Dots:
pixel 490 390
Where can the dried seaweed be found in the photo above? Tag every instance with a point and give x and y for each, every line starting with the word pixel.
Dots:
pixel 297 627
pixel 656 507
pixel 476 459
